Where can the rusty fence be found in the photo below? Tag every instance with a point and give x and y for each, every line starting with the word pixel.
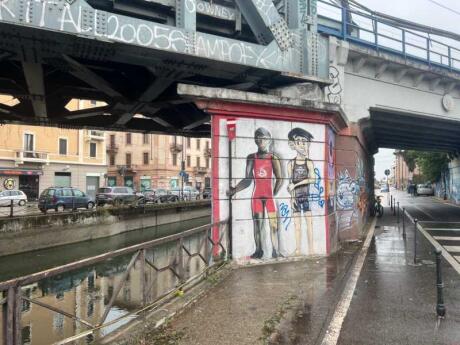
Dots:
pixel 193 252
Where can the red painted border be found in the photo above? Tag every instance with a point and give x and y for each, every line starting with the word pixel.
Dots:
pixel 215 130
pixel 223 108
pixel 326 187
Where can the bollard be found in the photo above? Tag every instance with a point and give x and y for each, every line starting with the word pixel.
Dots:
pixel 404 222
pixel 440 307
pixel 415 241
pixel 391 202
pixel 388 198
pixel 394 207
pixel 397 212
pixel 11 208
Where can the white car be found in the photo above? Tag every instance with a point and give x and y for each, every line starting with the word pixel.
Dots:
pixel 425 189
pixel 18 197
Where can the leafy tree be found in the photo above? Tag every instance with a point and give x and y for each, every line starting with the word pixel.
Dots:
pixel 410 157
pixel 432 164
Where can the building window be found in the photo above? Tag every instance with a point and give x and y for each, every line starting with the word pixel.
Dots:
pixel 207 145
pixel 146 158
pixel 198 162
pixel 63 146
pixel 28 142
pixel 112 140
pixel 111 181
pixel 92 150
pixel 189 161
pixel 198 144
pixel 128 138
pixel 25 303
pixel 189 141
pixel 26 335
pixel 145 138
pixel 207 163
pixel 128 159
pixel 112 160
pixel 174 159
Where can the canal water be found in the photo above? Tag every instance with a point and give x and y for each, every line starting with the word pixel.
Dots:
pixel 86 292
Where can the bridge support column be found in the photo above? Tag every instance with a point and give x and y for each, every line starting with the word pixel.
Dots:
pixel 283 160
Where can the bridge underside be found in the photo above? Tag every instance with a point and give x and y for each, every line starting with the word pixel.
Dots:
pixel 396 130
pixel 130 55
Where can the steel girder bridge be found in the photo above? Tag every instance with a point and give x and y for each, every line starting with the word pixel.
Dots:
pixel 130 54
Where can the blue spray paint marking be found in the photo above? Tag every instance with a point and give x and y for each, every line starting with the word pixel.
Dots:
pixel 319 190
pixel 285 215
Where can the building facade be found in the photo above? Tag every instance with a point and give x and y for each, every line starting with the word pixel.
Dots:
pixel 35 158
pixel 144 161
pixel 401 172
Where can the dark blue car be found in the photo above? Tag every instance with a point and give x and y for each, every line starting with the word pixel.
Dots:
pixel 62 198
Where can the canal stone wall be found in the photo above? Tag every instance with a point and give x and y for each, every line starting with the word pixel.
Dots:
pixel 27 233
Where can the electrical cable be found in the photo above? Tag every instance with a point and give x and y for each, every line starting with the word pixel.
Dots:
pixel 444 7
pixel 388 19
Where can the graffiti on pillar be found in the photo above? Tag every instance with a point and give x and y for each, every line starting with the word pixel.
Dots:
pixel 263 169
pixel 352 197
pixel 334 91
pixel 278 188
pixel 347 196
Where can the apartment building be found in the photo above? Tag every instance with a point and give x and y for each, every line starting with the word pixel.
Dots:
pixel 144 161
pixel 35 158
pixel 401 172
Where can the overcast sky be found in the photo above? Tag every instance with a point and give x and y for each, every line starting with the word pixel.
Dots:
pixel 425 12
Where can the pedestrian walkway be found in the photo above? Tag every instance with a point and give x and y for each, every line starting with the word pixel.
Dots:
pixel 395 299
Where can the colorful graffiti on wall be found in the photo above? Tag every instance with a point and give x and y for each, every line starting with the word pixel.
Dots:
pixel 352 197
pixel 278 188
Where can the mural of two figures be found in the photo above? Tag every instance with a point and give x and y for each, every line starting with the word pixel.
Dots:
pixel 287 193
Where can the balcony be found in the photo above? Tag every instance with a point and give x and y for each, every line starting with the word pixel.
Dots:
pixel 176 148
pixel 126 169
pixel 207 152
pixel 31 156
pixel 95 135
pixel 112 148
pixel 200 170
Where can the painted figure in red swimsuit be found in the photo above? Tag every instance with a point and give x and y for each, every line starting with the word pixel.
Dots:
pixel 263 168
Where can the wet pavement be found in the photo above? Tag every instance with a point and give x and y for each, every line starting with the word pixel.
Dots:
pixel 292 303
pixel 296 298
pixel 395 300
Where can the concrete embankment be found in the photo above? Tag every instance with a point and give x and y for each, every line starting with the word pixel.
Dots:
pixel 23 234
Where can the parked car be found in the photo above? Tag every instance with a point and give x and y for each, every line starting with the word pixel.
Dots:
pixel 189 193
pixel 61 198
pixel 159 196
pixel 116 196
pixel 207 194
pixel 18 197
pixel 425 189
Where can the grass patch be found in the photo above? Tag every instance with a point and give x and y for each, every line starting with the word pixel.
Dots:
pixel 272 323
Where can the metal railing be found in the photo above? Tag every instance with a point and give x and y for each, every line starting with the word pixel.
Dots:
pixel 36 156
pixel 402 214
pixel 212 250
pixel 366 29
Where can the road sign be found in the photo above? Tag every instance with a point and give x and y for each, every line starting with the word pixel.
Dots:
pixel 387 172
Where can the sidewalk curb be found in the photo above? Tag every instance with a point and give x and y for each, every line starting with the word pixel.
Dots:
pixel 332 333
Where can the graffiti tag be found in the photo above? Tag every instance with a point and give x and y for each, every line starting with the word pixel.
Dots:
pixel 319 190
pixel 285 211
